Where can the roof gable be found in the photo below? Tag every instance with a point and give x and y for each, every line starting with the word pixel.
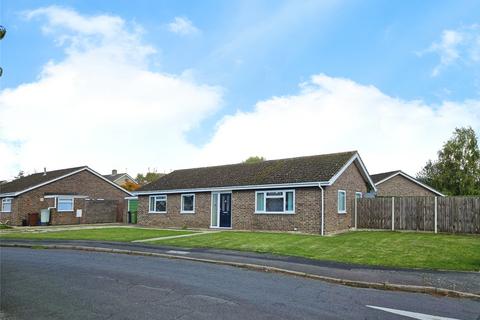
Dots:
pixel 300 170
pixel 37 180
pixel 32 180
pixel 380 178
pixel 115 177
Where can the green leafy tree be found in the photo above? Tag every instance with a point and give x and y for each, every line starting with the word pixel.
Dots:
pixel 457 169
pixel 20 174
pixel 254 159
pixel 148 177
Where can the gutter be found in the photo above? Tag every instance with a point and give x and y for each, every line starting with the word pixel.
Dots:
pixel 234 188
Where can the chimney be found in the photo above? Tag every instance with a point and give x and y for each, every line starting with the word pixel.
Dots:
pixel 114 172
pixel 44 171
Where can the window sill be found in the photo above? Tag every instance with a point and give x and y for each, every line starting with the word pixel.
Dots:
pixel 5 211
pixel 155 212
pixel 71 211
pixel 285 213
pixel 187 212
pixel 342 212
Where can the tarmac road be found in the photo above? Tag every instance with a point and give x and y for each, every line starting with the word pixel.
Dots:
pixel 62 284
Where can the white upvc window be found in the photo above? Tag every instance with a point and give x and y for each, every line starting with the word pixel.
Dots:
pixel 342 201
pixel 188 203
pixel 358 195
pixel 275 201
pixel 65 204
pixel 7 205
pixel 157 204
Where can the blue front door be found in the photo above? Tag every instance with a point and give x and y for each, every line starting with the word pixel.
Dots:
pixel 225 210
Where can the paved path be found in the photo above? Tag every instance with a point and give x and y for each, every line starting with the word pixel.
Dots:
pixel 461 281
pixel 42 229
pixel 173 237
pixel 61 284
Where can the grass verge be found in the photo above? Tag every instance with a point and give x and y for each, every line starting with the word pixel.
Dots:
pixel 105 234
pixel 391 249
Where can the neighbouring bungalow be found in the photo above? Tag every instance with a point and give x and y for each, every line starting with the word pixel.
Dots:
pixel 120 178
pixel 313 194
pixel 399 184
pixel 66 196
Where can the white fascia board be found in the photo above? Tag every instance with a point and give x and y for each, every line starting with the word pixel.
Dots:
pixel 365 174
pixel 7 195
pixel 232 188
pixel 406 176
pixel 131 198
pixel 50 196
pixel 387 178
pixel 49 181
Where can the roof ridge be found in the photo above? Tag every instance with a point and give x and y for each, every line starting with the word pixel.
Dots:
pixel 386 172
pixel 270 160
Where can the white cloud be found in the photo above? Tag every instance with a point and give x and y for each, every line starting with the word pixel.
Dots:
pixel 103 107
pixel 334 114
pixel 461 45
pixel 100 105
pixel 182 26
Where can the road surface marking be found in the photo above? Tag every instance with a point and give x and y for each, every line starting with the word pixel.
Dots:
pixel 414 315
pixel 177 252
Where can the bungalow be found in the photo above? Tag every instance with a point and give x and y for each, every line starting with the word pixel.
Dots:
pixel 399 184
pixel 311 194
pixel 66 196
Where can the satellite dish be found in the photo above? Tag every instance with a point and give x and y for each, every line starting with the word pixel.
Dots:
pixel 3 31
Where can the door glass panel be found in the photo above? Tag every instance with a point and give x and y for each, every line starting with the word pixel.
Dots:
pixel 215 210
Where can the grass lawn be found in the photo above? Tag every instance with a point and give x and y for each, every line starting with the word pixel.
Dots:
pixel 392 249
pixel 107 234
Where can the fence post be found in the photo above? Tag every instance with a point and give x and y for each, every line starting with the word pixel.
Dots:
pixel 436 208
pixel 393 213
pixel 355 213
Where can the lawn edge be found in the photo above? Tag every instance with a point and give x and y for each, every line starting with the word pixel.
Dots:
pixel 263 268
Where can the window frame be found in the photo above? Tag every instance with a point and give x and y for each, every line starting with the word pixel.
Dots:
pixel 157 196
pixel 181 203
pixel 344 211
pixel 4 201
pixel 265 197
pixel 63 198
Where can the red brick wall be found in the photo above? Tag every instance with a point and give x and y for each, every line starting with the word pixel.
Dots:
pixel 305 219
pixel 173 218
pixel 83 183
pixel 351 181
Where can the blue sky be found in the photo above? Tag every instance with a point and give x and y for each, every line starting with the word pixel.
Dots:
pixel 253 51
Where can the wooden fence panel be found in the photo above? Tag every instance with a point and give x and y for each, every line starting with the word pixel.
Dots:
pixel 454 214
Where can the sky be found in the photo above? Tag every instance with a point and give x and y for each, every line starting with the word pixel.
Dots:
pixel 163 85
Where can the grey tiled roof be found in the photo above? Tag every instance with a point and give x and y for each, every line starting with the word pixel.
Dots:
pixel 380 176
pixel 293 170
pixel 34 180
